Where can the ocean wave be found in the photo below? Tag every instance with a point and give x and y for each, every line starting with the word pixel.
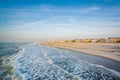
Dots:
pixel 6 67
pixel 43 63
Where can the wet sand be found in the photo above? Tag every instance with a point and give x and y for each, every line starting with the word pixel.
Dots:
pixel 106 50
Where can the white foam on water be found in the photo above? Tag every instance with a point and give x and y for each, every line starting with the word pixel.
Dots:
pixel 8 63
pixel 44 63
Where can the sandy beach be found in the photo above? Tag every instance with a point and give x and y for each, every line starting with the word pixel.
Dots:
pixel 106 50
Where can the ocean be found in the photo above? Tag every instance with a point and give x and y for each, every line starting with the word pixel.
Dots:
pixel 31 61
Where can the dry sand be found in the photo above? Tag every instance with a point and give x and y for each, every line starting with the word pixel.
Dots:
pixel 106 50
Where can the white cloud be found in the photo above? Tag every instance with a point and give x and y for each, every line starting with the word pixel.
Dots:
pixel 90 9
pixel 79 10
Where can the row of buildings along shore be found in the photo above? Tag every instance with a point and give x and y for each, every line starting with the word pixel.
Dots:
pixel 92 40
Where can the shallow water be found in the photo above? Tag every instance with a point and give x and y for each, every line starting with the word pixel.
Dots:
pixel 44 63
pixel 37 62
pixel 98 60
pixel 6 50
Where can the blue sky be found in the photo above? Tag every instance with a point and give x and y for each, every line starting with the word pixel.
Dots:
pixel 37 20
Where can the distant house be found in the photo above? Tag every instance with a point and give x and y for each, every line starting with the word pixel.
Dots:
pixel 95 40
pixel 102 40
pixel 113 40
pixel 69 41
pixel 78 40
pixel 87 40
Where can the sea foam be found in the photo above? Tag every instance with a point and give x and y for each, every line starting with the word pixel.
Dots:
pixel 37 62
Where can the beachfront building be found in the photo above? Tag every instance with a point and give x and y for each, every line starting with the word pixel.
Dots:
pixel 69 41
pixel 95 40
pixel 113 40
pixel 102 40
pixel 87 40
pixel 78 40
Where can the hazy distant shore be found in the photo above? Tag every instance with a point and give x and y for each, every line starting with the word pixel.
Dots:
pixel 106 50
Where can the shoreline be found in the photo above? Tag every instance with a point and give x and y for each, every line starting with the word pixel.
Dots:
pixel 87 53
pixel 111 54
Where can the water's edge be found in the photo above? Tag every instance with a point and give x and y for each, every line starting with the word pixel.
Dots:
pixel 34 61
pixel 47 62
pixel 108 64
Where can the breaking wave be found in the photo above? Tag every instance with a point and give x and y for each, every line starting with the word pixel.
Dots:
pixel 36 62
